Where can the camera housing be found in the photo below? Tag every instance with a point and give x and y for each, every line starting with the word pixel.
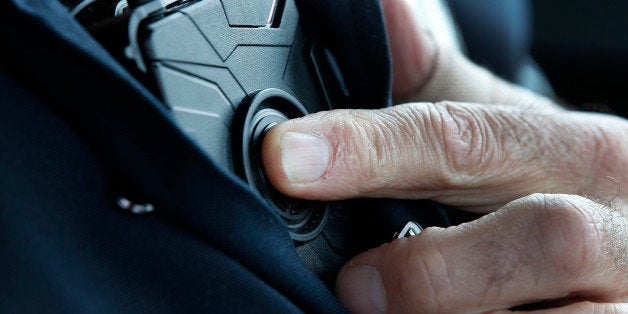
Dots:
pixel 227 71
pixel 230 70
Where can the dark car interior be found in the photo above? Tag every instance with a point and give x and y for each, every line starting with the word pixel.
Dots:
pixel 582 46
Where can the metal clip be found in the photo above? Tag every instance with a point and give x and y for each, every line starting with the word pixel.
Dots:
pixel 121 7
pixel 410 229
pixel 138 209
pixel 133 51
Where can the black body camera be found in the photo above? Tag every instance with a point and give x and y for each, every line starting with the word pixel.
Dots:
pixel 229 70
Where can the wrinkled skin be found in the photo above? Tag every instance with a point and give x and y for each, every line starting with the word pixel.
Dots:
pixel 553 183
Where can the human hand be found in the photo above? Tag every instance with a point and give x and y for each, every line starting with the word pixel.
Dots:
pixel 482 158
pixel 544 246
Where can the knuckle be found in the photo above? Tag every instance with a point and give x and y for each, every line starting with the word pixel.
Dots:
pixel 467 141
pixel 354 145
pixel 383 148
pixel 608 147
pixel 377 145
pixel 573 230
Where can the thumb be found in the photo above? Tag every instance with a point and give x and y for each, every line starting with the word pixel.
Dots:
pixel 345 154
pixel 541 247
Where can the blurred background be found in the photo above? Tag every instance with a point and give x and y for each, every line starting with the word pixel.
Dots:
pixel 582 46
pixel 579 46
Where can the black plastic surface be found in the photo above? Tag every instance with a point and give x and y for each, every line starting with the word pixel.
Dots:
pixel 228 76
pixel 254 118
pixel 205 68
pixel 230 70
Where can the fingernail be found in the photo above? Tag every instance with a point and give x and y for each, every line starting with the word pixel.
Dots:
pixel 304 157
pixel 361 290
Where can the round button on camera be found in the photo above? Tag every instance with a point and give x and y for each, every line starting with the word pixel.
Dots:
pixel 254 118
